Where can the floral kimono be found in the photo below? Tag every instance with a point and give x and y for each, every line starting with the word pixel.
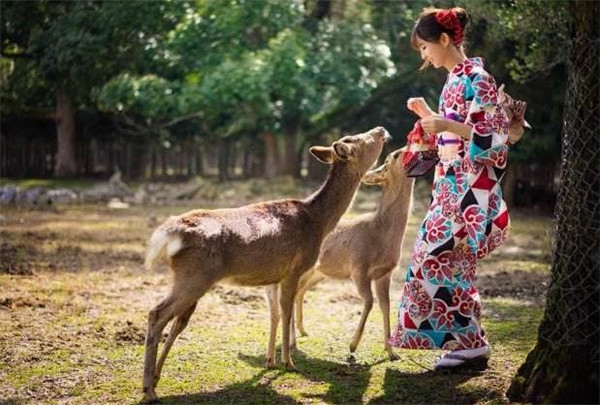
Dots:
pixel 467 219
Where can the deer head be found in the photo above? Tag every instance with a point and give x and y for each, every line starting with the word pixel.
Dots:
pixel 515 112
pixel 358 150
pixel 390 172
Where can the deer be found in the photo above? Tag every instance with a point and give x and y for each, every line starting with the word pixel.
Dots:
pixel 365 249
pixel 272 242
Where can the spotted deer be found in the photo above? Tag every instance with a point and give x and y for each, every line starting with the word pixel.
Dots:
pixel 273 242
pixel 365 249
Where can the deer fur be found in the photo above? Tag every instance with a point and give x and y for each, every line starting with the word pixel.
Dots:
pixel 515 112
pixel 366 249
pixel 267 243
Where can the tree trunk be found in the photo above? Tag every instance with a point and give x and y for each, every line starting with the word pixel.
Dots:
pixel 66 161
pixel 223 168
pixel 153 158
pixel 199 160
pixel 271 155
pixel 509 183
pixel 563 366
pixel 164 165
pixel 290 160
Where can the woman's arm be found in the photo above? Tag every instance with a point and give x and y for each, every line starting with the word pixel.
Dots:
pixel 435 124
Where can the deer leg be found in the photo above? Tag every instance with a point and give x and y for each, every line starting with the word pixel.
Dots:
pixel 178 326
pixel 363 284
pixel 286 300
pixel 382 290
pixel 306 283
pixel 272 296
pixel 179 301
pixel 293 343
pixel 158 318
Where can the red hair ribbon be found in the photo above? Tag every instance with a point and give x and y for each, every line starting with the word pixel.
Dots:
pixel 449 20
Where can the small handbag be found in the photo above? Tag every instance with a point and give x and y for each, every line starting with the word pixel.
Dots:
pixel 421 155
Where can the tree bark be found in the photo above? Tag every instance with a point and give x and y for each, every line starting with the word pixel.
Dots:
pixel 200 160
pixel 291 165
pixel 563 367
pixel 224 156
pixel 271 155
pixel 66 160
pixel 509 183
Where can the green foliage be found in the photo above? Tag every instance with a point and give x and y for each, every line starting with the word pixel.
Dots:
pixel 149 96
pixel 241 67
pixel 539 30
pixel 80 45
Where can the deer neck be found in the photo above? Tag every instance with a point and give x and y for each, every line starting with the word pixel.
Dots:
pixel 327 205
pixel 395 204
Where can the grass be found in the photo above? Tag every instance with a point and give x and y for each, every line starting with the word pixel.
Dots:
pixel 72 322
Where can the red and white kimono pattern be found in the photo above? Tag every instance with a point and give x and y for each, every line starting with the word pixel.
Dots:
pixel 467 219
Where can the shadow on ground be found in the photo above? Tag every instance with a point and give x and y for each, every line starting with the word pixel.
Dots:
pixel 346 383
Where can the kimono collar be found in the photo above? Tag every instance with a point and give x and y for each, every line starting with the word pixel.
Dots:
pixel 467 64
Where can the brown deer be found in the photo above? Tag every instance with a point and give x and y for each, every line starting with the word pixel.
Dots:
pixel 267 243
pixel 366 249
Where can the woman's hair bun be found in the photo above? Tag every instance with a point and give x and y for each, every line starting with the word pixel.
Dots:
pixel 462 15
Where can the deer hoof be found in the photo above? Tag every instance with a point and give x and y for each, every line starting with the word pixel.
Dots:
pixel 289 366
pixel 149 396
pixel 303 332
pixel 393 356
pixel 351 359
pixel 270 363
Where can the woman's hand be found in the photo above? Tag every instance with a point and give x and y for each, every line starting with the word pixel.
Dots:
pixel 435 124
pixel 419 106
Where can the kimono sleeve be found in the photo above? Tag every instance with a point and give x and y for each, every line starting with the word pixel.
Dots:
pixel 489 134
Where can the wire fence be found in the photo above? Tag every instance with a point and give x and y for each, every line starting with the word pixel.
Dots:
pixel 573 312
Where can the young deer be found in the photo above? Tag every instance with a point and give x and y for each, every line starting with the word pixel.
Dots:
pixel 367 248
pixel 267 243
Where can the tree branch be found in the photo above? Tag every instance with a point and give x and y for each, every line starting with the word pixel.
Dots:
pixel 197 114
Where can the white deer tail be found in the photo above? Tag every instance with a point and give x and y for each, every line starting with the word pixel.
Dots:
pixel 160 243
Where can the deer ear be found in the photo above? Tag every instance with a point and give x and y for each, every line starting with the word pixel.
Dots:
pixel 501 94
pixel 373 177
pixel 323 154
pixel 342 151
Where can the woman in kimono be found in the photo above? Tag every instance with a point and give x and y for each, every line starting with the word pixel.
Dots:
pixel 440 307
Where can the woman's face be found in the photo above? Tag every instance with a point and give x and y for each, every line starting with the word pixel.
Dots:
pixel 433 52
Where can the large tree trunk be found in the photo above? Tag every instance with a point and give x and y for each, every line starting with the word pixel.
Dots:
pixel 509 184
pixel 291 166
pixel 224 156
pixel 271 155
pixel 563 367
pixel 66 160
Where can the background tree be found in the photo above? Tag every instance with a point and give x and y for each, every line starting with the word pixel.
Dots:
pixel 564 365
pixel 76 46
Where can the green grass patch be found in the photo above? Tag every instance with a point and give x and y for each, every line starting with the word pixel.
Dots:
pixel 72 335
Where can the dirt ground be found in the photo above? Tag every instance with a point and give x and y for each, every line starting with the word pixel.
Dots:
pixel 74 299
